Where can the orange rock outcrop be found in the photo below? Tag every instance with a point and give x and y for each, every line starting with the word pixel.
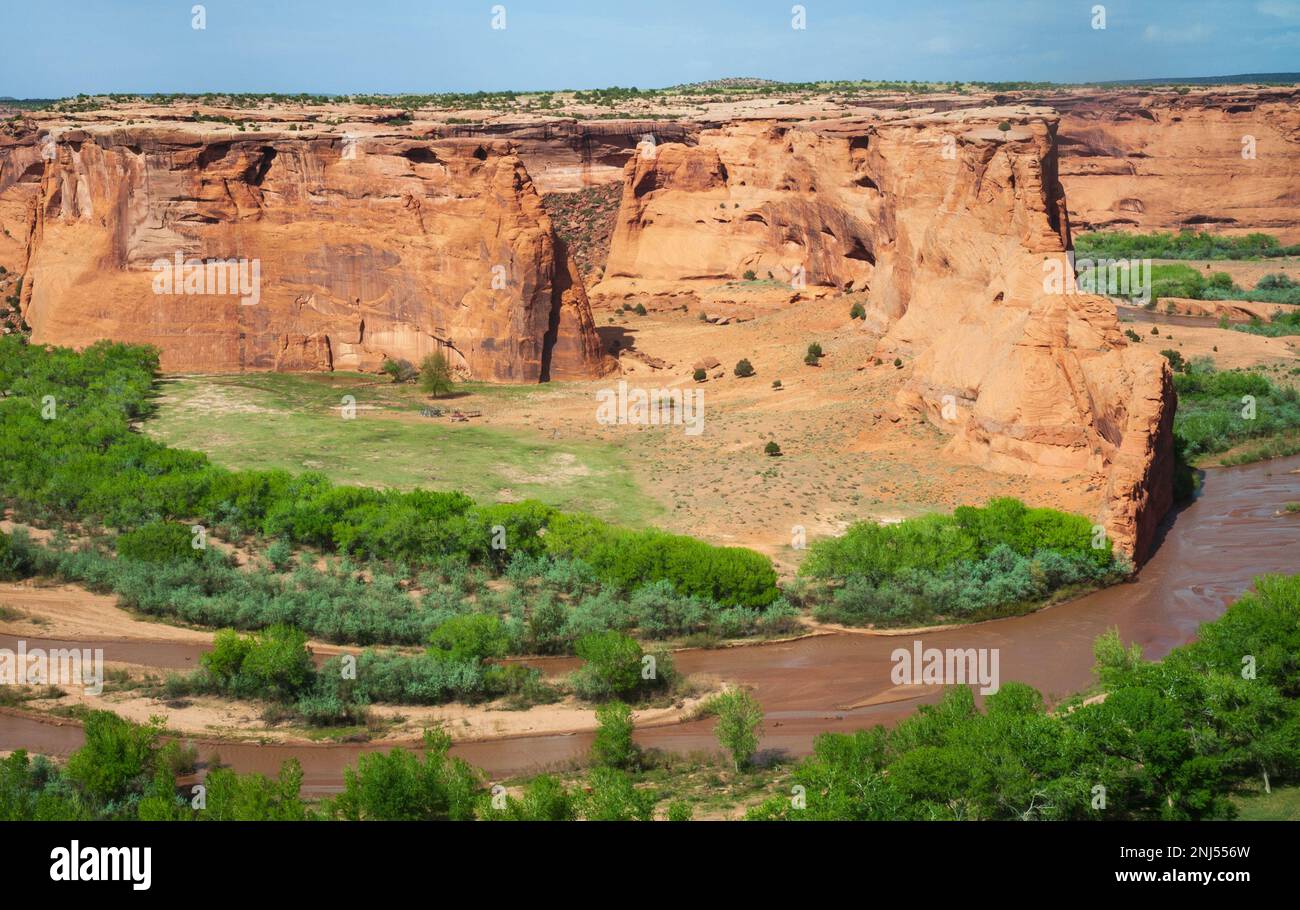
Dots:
pixel 956 228
pixel 366 249
pixel 1221 160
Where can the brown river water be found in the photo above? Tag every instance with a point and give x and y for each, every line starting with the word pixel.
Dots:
pixel 1210 553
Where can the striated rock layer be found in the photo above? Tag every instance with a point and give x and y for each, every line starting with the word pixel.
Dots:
pixel 955 228
pixel 1225 160
pixel 367 249
pixel 564 156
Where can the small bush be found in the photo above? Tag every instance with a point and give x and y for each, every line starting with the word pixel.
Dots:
pixel 1175 358
pixel 471 636
pixel 400 370
pixel 158 541
pixel 744 369
pixel 613 746
pixel 612 669
pixel 771 449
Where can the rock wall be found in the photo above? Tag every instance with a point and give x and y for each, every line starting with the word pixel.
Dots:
pixel 955 228
pixel 763 197
pixel 1165 161
pixel 564 156
pixel 367 249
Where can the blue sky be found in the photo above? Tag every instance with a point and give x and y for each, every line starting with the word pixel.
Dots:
pixel 62 47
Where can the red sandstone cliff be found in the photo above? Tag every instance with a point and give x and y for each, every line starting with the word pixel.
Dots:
pixel 371 249
pixel 953 226
pixel 1224 159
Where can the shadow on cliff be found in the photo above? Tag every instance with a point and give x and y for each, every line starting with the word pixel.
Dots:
pixel 1184 497
pixel 615 338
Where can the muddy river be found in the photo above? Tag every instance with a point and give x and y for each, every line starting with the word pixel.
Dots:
pixel 1210 552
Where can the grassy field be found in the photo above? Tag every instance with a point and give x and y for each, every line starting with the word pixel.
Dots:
pixel 1282 805
pixel 295 422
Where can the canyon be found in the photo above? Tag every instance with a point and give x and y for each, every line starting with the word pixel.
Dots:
pixel 381 238
pixel 366 249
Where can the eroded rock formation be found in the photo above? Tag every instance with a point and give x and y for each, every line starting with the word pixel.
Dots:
pixel 1204 160
pixel 367 249
pixel 568 155
pixel 955 227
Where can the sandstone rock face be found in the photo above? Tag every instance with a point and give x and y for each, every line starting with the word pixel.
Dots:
pixel 956 228
pixel 21 167
pixel 1223 160
pixel 773 199
pixel 366 249
pixel 563 156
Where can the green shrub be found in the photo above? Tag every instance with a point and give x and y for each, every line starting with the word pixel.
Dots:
pixel 436 378
pixel 1187 244
pixel 253 797
pixel 970 564
pixel 401 786
pixel 1175 358
pixel 117 760
pixel 744 368
pixel 739 718
pixel 400 370
pixel 13 562
pixel 274 663
pixel 471 636
pixel 158 541
pixel 544 799
pixel 613 746
pixel 613 666
pixel 612 797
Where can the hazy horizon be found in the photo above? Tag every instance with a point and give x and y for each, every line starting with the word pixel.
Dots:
pixel 416 46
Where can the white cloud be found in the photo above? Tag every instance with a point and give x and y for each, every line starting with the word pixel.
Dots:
pixel 1280 9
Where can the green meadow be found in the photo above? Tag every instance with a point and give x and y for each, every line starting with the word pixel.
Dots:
pixel 295 422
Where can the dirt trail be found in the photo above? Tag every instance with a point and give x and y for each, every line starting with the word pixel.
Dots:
pixel 1208 557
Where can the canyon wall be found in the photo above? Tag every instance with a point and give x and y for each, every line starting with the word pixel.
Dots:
pixel 367 249
pixel 564 156
pixel 954 227
pixel 1223 160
